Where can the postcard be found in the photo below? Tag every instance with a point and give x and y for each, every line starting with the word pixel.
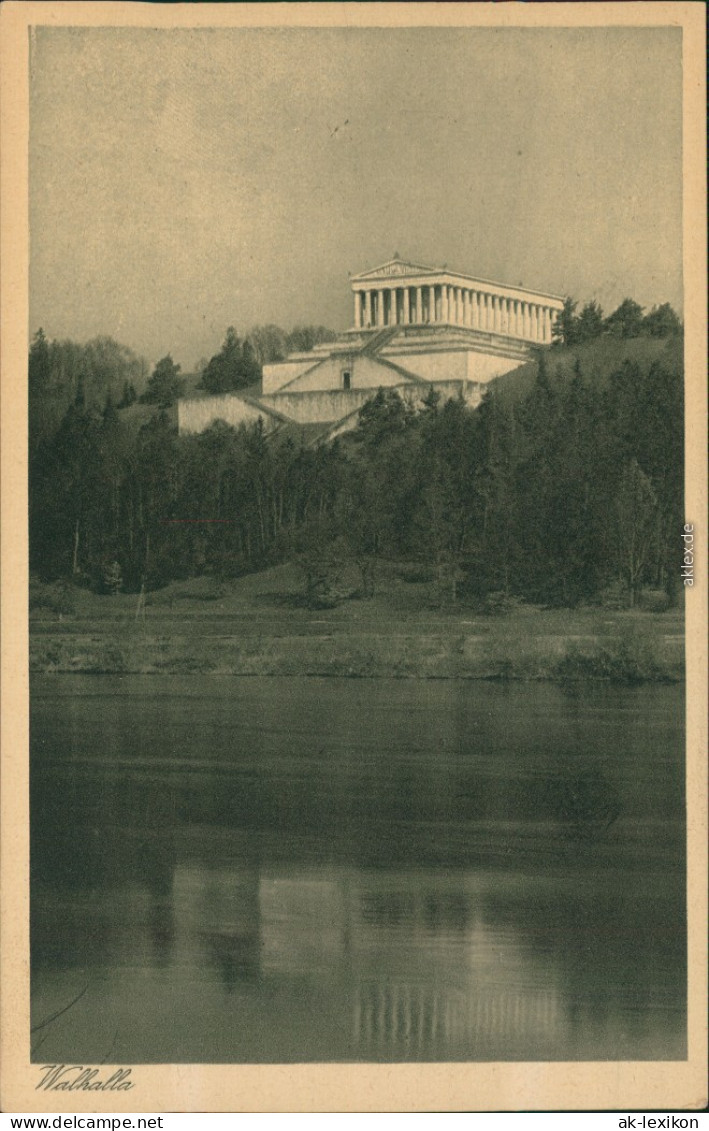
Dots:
pixel 354 557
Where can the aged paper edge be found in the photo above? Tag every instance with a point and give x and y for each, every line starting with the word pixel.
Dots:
pixel 334 1087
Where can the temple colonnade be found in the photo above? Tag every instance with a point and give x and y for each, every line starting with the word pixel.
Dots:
pixel 389 305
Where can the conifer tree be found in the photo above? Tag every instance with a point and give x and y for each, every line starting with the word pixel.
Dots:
pixel 165 384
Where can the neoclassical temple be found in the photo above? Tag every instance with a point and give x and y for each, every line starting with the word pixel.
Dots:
pixel 413 327
pixel 409 294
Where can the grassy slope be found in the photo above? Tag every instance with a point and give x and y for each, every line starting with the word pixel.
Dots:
pixel 255 625
pixel 598 360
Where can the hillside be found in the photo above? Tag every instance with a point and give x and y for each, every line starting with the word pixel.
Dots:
pixel 597 359
pixel 544 494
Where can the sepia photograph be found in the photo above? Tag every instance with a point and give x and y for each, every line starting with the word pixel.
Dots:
pixel 359 565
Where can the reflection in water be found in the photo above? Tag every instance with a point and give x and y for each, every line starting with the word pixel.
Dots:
pixel 393 1021
pixel 293 870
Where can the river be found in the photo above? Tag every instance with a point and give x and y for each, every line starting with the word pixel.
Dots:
pixel 234 870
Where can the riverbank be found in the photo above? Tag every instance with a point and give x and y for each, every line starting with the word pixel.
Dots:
pixel 257 626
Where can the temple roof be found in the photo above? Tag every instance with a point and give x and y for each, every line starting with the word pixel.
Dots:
pixel 396 267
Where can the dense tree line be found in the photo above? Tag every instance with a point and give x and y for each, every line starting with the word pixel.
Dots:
pixel 550 497
pixel 61 371
pixel 102 367
pixel 626 321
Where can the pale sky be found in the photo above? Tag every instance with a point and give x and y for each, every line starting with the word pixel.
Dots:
pixel 184 181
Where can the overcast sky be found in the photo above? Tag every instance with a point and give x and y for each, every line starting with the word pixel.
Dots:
pixel 182 181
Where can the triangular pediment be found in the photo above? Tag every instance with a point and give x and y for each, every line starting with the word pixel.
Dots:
pixel 395 268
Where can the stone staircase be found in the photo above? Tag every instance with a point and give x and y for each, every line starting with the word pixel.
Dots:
pixel 378 340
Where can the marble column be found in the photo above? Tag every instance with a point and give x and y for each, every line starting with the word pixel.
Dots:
pixel 405 315
pixel 357 309
pixel 392 306
pixel 419 304
pixel 475 312
pixel 380 307
pixel 432 304
pixel 444 302
pixel 467 309
pixel 368 308
pixel 535 322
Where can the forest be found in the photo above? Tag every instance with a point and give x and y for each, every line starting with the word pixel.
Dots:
pixel 564 487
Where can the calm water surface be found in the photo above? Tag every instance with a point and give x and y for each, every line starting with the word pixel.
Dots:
pixel 281 870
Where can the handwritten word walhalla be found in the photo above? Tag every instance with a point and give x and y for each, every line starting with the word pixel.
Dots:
pixel 688 555
pixel 78 1078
